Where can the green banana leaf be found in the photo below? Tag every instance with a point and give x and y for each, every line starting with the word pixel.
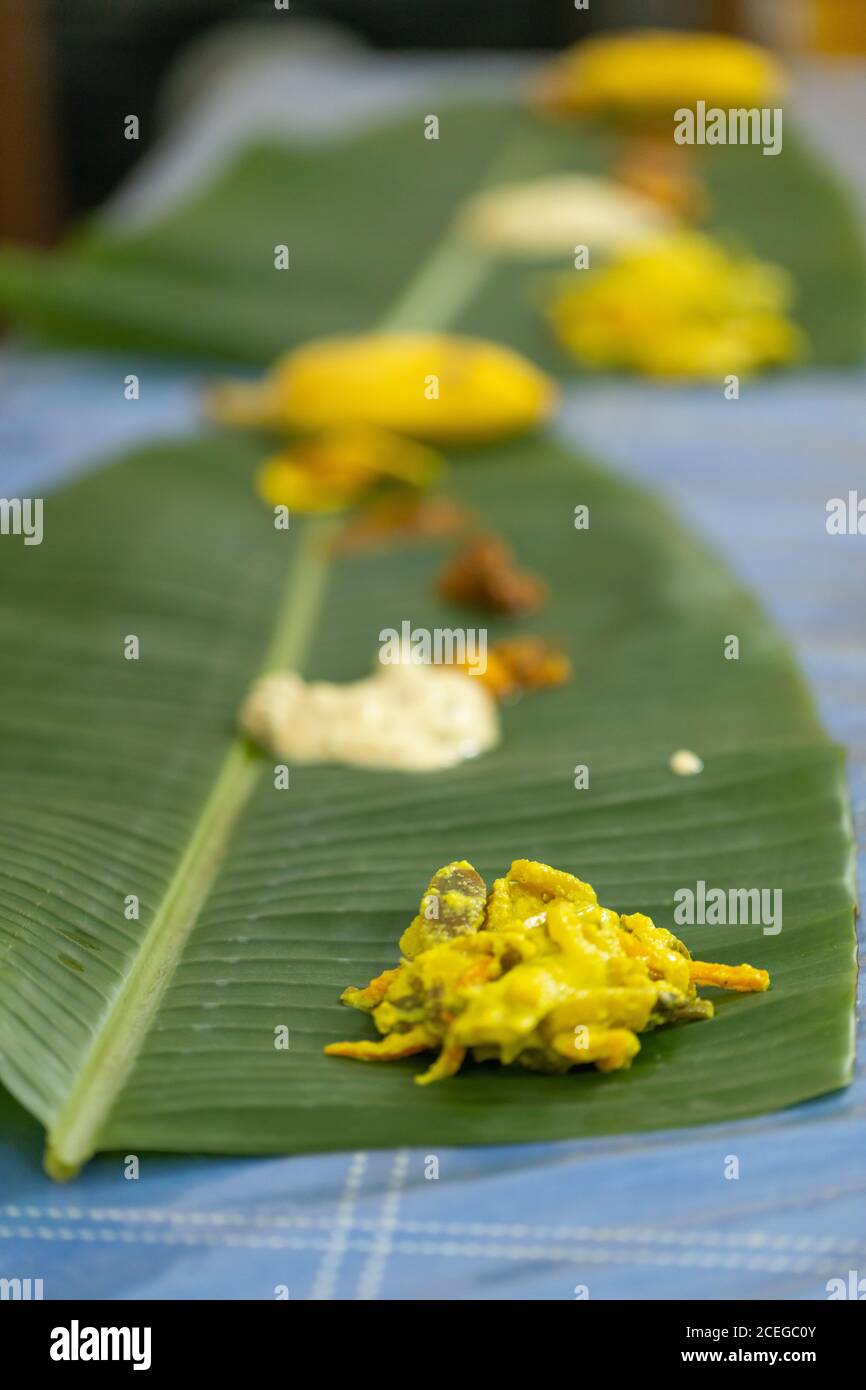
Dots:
pixel 258 905
pixel 359 215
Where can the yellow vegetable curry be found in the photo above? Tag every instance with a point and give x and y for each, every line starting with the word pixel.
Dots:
pixel 536 972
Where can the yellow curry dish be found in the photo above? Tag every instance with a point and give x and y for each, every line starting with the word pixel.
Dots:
pixel 434 387
pixel 640 76
pixel 536 971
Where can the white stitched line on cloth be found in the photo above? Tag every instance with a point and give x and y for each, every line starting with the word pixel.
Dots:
pixel 108 1236
pixel 325 1280
pixel 373 1272
pixel 638 1235
pixel 571 1255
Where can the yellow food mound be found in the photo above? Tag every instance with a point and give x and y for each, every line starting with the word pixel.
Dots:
pixel 643 73
pixel 334 470
pixel 681 307
pixel 429 386
pixel 536 972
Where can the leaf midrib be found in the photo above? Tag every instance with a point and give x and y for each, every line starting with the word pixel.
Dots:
pixel 73 1136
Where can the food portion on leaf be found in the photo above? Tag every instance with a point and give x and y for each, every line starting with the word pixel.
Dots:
pixel 432 386
pixel 484 574
pixel 334 470
pixel 400 516
pixel 413 718
pixel 660 172
pixel 685 307
pixel 642 75
pixel 536 972
pixel 527 662
pixel 685 763
pixel 550 216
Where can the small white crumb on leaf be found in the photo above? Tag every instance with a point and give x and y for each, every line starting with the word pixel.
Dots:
pixel 685 763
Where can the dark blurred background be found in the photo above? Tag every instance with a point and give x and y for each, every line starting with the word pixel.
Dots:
pixel 71 69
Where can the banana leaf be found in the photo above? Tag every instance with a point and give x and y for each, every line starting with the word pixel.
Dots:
pixel 257 905
pixel 359 215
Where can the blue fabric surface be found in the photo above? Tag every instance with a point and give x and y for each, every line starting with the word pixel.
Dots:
pixel 647 1216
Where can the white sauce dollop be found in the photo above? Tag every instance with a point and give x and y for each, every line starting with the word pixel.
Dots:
pixel 549 216
pixel 414 718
